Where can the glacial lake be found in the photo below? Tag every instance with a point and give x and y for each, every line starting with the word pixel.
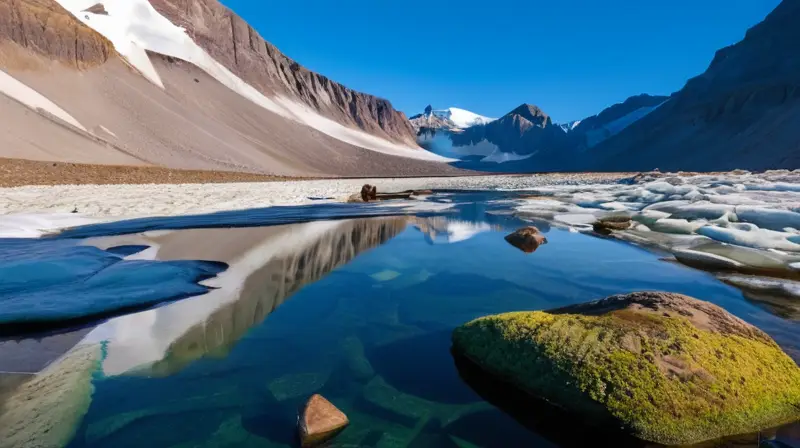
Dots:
pixel 215 336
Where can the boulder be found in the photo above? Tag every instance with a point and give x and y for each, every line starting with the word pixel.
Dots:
pixel 527 239
pixel 369 193
pixel 610 223
pixel 664 367
pixel 319 421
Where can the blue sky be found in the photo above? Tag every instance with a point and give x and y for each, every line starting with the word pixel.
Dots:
pixel 572 58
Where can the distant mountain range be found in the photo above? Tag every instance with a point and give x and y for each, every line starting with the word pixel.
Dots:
pixel 527 134
pixel 743 112
pixel 189 84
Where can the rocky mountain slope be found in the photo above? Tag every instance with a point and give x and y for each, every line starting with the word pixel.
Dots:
pixel 590 132
pixel 240 48
pixel 120 83
pixel 743 112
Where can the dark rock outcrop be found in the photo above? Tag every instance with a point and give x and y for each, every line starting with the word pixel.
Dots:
pixel 369 193
pixel 743 112
pixel 44 28
pixel 239 47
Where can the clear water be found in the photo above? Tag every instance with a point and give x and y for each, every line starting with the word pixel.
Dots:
pixel 363 315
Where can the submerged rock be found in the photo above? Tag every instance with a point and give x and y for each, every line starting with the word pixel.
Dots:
pixel 320 421
pixel 527 239
pixel 47 410
pixel 665 367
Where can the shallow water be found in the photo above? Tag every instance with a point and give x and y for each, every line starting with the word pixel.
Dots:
pixel 358 310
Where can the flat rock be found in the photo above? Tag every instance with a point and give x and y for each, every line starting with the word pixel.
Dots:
pixel 320 421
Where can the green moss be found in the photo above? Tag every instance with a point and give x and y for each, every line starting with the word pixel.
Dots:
pixel 661 378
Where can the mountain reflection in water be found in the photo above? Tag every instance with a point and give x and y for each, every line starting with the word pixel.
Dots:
pixel 267 265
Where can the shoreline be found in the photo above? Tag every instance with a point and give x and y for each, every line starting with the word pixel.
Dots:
pixel 34 210
pixel 27 173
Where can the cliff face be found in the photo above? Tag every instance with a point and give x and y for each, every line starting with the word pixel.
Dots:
pixel 743 112
pixel 236 45
pixel 44 28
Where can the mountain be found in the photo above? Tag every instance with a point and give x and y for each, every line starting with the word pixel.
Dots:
pixel 591 131
pixel 524 133
pixel 743 112
pixel 183 84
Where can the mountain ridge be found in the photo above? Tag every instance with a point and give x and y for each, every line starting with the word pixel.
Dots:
pixel 157 109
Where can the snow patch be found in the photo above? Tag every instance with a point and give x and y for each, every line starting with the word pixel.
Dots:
pixel 462 118
pixel 16 90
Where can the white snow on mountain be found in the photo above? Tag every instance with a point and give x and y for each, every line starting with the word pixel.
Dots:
pixel 134 27
pixel 462 118
pixel 569 126
pixel 596 136
pixel 13 88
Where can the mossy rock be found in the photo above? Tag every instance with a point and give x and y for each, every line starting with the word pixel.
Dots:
pixel 665 367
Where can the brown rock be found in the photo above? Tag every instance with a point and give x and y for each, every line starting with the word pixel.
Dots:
pixel 320 421
pixel 98 8
pixel 527 239
pixel 703 315
pixel 47 29
pixel 369 193
pixel 610 223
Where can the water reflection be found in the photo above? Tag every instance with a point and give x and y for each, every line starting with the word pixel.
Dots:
pixel 266 266
pixel 367 328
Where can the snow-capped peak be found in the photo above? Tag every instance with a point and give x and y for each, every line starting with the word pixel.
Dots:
pixel 462 118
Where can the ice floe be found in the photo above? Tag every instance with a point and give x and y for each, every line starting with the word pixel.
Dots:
pixel 740 220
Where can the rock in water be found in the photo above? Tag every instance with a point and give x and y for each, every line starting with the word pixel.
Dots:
pixel 610 223
pixel 527 239
pixel 665 367
pixel 320 421
pixel 369 193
